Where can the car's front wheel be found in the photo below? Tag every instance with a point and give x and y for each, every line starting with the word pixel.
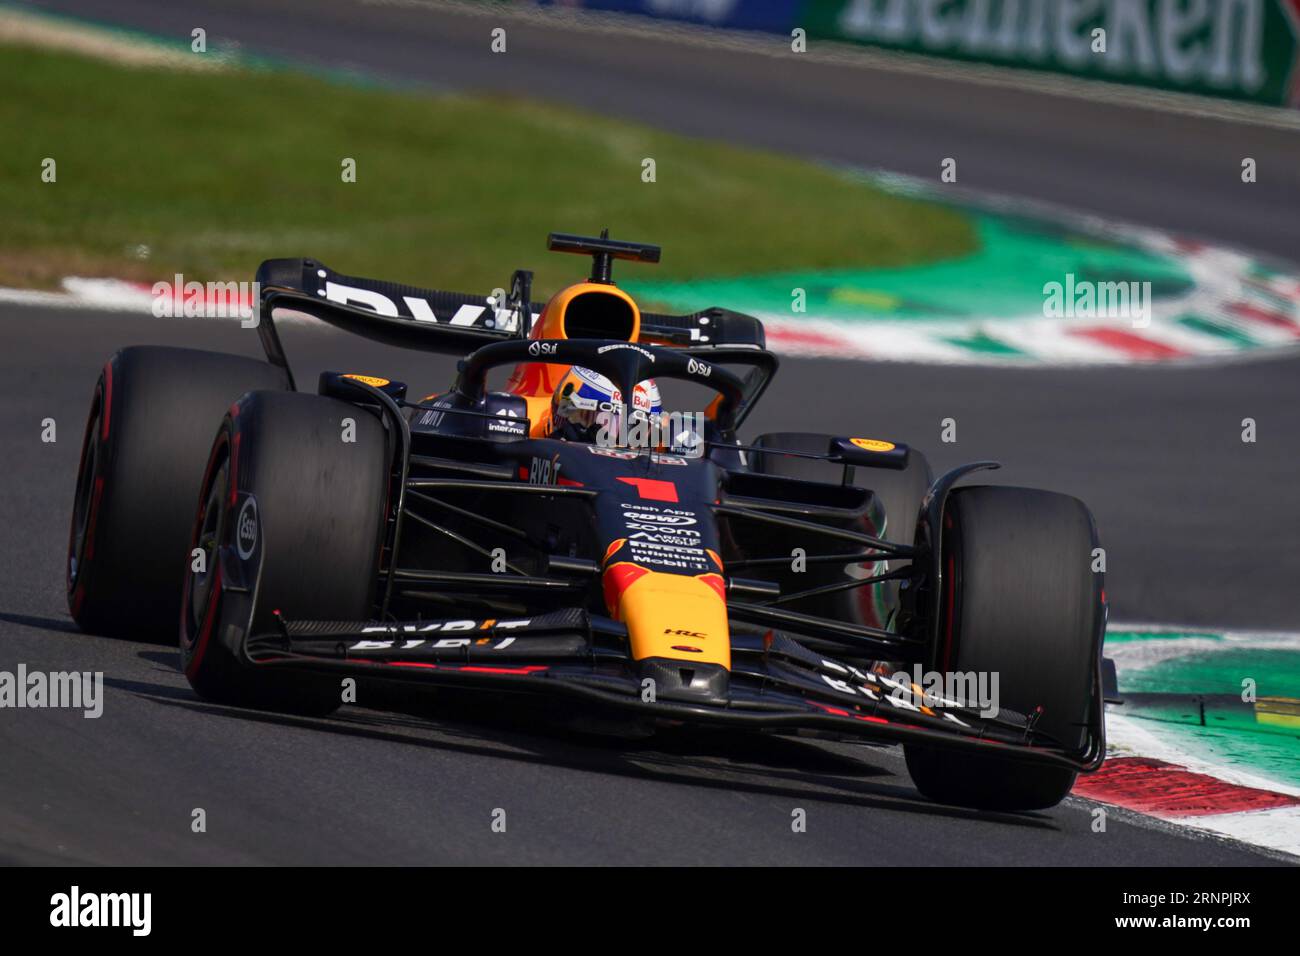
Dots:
pixel 293 501
pixel 1021 605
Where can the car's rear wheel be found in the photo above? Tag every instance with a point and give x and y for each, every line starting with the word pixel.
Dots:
pixel 1020 601
pixel 147 436
pixel 898 492
pixel 293 498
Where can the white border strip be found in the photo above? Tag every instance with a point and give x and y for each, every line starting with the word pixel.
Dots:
pixel 1275 829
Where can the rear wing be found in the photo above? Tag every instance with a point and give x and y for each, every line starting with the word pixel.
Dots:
pixel 431 320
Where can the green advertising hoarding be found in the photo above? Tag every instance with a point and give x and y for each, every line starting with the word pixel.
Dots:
pixel 1239 49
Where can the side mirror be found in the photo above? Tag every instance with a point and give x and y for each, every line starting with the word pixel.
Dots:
pixel 869 452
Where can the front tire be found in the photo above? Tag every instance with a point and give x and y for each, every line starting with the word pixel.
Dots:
pixel 314 527
pixel 1022 601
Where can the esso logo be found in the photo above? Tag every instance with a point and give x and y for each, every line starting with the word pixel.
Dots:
pixel 246 529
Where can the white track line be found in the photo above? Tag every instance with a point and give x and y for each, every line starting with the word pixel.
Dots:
pixel 1278 829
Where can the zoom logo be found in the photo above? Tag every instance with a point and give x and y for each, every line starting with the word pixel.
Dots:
pixel 676 518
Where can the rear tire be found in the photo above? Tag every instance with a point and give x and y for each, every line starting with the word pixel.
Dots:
pixel 318 520
pixel 898 492
pixel 1024 604
pixel 147 436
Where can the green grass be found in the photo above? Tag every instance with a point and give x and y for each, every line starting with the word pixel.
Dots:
pixel 214 172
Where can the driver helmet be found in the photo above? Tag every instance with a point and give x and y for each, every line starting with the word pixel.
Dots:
pixel 586 402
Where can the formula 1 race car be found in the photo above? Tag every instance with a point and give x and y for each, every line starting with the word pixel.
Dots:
pixel 799 583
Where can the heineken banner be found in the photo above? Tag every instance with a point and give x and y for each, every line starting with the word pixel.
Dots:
pixel 1243 49
pixel 1240 49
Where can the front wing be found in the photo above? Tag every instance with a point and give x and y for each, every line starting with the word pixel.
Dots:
pixel 776 684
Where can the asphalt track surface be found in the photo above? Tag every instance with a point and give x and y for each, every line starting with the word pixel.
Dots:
pixel 416 787
pixel 1199 527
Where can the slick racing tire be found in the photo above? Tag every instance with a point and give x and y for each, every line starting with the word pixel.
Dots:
pixel 297 510
pixel 1020 600
pixel 899 492
pixel 151 421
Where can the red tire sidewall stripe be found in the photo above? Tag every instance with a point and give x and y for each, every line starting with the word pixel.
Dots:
pixel 107 413
pixel 214 598
pixel 234 453
pixel 104 397
pixel 209 617
pixel 89 549
pixel 950 599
